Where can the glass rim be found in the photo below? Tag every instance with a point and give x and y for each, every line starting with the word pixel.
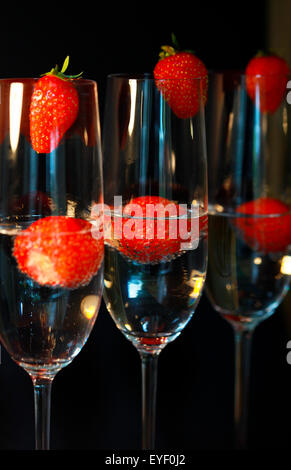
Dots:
pixel 143 76
pixel 243 74
pixel 20 226
pixel 24 80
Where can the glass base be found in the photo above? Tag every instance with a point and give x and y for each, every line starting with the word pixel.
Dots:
pixel 43 371
pixel 151 344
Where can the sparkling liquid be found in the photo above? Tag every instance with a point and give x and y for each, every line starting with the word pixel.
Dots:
pixel 42 328
pixel 152 303
pixel 242 284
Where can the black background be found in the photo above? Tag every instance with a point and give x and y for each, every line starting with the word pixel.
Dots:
pixel 96 401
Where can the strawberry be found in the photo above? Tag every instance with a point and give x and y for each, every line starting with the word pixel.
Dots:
pixel 59 251
pixel 266 78
pixel 266 234
pixel 53 109
pixel 155 239
pixel 183 96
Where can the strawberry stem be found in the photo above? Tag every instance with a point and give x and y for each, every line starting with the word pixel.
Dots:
pixel 175 42
pixel 65 64
pixel 61 73
pixel 167 51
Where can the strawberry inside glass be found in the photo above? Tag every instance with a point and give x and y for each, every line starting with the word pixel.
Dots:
pixel 266 226
pixel 59 251
pixel 153 229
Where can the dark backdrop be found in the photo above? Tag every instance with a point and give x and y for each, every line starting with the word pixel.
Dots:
pixel 96 400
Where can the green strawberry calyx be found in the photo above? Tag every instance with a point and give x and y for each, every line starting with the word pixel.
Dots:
pixel 61 73
pixel 167 51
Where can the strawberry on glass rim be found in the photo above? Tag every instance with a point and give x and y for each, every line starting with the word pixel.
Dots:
pixel 53 109
pixel 183 96
pixel 155 239
pixel 59 251
pixel 266 234
pixel 266 78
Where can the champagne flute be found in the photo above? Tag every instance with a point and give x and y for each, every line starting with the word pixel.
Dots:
pixel 249 211
pixel 51 262
pixel 152 158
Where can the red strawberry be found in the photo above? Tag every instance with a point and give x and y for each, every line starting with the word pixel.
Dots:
pixel 183 96
pixel 53 109
pixel 156 238
pixel 59 251
pixel 267 234
pixel 266 78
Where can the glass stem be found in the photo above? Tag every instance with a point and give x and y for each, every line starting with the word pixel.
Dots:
pixel 42 407
pixel 243 339
pixel 149 368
